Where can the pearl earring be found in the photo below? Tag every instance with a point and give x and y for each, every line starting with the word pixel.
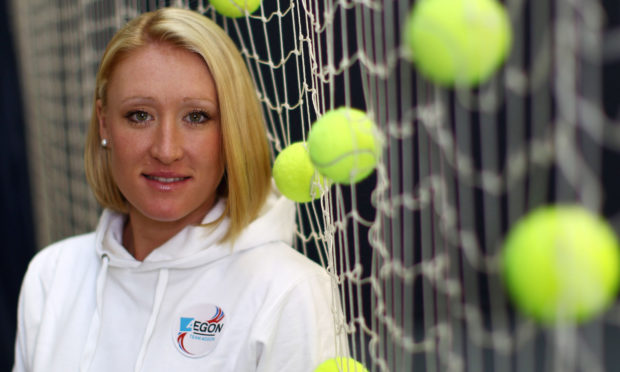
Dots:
pixel 104 143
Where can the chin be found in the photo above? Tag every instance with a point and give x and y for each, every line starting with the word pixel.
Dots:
pixel 170 210
pixel 173 212
pixel 163 215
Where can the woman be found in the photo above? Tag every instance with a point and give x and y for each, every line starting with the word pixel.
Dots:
pixel 190 267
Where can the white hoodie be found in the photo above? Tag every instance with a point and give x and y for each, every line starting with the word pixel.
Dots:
pixel 192 305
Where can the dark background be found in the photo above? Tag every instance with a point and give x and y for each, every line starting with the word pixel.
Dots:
pixel 17 243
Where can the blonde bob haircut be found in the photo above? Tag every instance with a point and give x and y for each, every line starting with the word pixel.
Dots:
pixel 247 176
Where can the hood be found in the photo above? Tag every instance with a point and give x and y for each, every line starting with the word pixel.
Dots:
pixel 197 245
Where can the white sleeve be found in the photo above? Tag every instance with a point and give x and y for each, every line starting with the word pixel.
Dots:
pixel 20 364
pixel 300 331
pixel 29 312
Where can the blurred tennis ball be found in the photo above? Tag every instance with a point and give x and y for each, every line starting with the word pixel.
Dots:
pixel 235 8
pixel 343 146
pixel 294 174
pixel 561 264
pixel 341 365
pixel 460 42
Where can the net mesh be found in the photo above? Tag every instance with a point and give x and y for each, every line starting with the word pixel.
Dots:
pixel 414 248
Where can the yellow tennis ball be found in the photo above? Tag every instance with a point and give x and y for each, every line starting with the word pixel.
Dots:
pixel 343 146
pixel 561 264
pixel 458 42
pixel 235 8
pixel 295 176
pixel 341 365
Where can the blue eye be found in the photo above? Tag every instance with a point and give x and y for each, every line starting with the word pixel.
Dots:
pixel 138 116
pixel 197 117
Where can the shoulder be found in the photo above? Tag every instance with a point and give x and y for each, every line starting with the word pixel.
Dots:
pixel 281 262
pixel 277 275
pixel 72 248
pixel 69 254
pixel 56 271
pixel 296 324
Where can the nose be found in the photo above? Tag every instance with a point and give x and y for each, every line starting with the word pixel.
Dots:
pixel 167 145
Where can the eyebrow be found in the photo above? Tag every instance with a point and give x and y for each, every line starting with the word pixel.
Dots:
pixel 189 99
pixel 186 100
pixel 151 99
pixel 138 98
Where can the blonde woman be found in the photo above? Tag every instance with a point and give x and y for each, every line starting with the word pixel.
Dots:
pixel 191 266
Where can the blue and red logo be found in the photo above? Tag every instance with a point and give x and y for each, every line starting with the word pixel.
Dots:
pixel 196 334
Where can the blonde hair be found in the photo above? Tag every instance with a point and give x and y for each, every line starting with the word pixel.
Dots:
pixel 247 176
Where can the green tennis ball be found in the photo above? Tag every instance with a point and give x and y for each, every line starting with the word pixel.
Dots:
pixel 343 146
pixel 561 264
pixel 295 176
pixel 341 365
pixel 235 8
pixel 458 42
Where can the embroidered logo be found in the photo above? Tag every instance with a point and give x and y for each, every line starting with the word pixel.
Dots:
pixel 197 329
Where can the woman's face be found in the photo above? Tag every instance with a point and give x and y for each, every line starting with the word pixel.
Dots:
pixel 162 124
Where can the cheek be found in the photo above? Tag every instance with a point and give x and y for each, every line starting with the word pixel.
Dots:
pixel 209 151
pixel 217 151
pixel 125 152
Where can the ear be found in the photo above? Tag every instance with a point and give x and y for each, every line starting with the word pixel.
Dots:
pixel 103 129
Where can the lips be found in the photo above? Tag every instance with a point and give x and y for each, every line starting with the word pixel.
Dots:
pixel 165 179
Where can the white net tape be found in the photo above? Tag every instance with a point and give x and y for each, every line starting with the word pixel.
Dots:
pixel 413 249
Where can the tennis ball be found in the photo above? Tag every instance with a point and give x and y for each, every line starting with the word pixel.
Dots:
pixel 458 42
pixel 341 365
pixel 235 8
pixel 561 264
pixel 295 176
pixel 343 146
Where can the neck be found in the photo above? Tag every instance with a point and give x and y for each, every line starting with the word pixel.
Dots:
pixel 142 235
pixel 141 241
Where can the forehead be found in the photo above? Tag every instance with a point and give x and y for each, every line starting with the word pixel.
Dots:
pixel 162 68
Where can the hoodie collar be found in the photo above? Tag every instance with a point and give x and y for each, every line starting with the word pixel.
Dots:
pixel 197 245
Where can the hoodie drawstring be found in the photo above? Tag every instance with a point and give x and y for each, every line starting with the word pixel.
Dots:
pixel 95 323
pixel 162 283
